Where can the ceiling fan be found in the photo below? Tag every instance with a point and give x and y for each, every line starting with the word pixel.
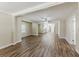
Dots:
pixel 44 19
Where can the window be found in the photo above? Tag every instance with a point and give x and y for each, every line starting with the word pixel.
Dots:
pixel 48 27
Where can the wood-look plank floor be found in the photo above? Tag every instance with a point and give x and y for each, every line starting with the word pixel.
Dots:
pixel 43 45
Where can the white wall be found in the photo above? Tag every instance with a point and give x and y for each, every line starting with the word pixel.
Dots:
pixel 28 29
pixel 65 28
pixel 52 27
pixel 62 28
pixel 77 26
pixel 34 29
pixel 10 31
pixel 5 30
pixel 38 28
pixel 77 29
pixel 41 28
pixel 19 33
pixel 57 28
pixel 18 29
pixel 31 29
pixel 70 30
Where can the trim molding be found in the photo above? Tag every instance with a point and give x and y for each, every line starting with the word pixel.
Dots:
pixel 16 42
pixel 5 12
pixel 5 46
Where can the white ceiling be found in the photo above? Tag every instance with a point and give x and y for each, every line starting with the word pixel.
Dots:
pixel 53 13
pixel 13 7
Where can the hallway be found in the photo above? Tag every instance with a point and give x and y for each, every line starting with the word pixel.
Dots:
pixel 43 45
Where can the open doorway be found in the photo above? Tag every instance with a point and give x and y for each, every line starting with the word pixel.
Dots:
pixel 26 28
pixel 23 29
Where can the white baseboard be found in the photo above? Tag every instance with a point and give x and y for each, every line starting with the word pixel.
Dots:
pixel 6 46
pixel 16 42
pixel 9 44
pixel 70 42
pixel 77 48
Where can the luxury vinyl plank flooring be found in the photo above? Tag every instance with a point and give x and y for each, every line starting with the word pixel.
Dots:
pixel 43 45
